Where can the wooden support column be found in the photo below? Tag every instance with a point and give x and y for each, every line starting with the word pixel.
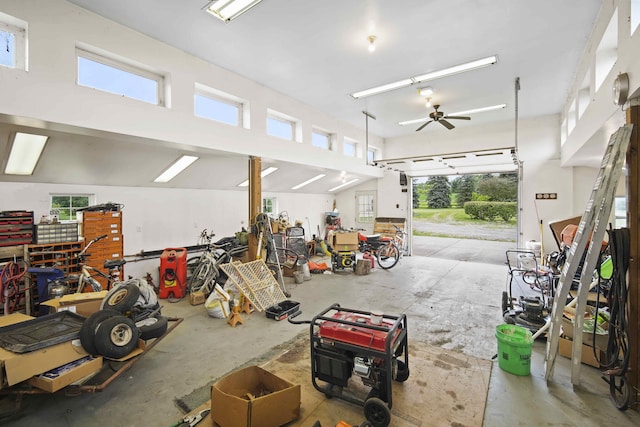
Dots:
pixel 633 207
pixel 255 201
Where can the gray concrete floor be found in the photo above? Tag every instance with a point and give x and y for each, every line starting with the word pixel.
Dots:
pixel 450 303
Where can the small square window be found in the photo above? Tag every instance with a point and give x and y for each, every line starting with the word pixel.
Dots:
pixel 321 140
pixel 349 148
pixel 280 127
pixel 219 110
pixel 13 42
pixel 270 205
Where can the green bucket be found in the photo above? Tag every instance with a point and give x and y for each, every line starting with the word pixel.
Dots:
pixel 514 349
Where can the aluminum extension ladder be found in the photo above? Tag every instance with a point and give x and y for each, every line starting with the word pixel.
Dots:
pixel 590 232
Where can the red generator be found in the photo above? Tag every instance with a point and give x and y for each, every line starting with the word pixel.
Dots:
pixel 173 273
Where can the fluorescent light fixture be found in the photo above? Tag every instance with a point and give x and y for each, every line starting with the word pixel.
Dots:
pixel 467 66
pixel 383 88
pixel 457 113
pixel 181 164
pixel 265 172
pixel 479 110
pixel 226 10
pixel 344 184
pixel 309 181
pixel 25 153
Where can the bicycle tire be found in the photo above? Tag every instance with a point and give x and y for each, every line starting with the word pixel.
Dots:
pixel 197 279
pixel 388 256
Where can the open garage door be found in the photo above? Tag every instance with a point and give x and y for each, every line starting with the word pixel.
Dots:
pixel 441 229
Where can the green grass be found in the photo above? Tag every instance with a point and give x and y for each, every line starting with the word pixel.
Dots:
pixel 452 215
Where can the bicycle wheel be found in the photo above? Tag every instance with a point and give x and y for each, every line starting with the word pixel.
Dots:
pixel 388 256
pixel 199 277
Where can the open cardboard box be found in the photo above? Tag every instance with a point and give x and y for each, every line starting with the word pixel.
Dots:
pixel 60 377
pixel 587 337
pixel 84 304
pixel 254 397
pixel 15 367
pixel 345 241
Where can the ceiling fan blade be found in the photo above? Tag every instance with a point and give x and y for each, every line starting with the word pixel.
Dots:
pixel 457 117
pixel 422 127
pixel 446 124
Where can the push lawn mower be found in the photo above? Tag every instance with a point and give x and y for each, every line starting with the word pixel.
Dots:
pixel 347 342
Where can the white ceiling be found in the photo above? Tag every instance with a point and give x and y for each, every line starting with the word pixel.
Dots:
pixel 316 52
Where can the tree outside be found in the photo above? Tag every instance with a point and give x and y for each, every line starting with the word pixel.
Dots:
pixel 439 196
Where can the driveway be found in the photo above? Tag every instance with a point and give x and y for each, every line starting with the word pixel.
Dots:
pixel 464 242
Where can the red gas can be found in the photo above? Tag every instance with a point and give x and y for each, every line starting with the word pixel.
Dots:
pixel 173 273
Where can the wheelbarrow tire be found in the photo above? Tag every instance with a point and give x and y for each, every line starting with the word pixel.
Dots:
pixel 152 327
pixel 377 412
pixel 122 298
pixel 116 337
pixel 89 326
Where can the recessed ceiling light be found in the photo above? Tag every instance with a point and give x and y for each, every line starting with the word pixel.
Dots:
pixel 181 164
pixel 344 184
pixel 25 153
pixel 309 181
pixel 264 173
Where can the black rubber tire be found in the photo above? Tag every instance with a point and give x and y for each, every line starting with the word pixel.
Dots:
pixel 116 337
pixel 89 326
pixel 505 301
pixel 388 256
pixel 122 298
pixel 152 327
pixel 377 412
pixel 403 372
pixel 620 392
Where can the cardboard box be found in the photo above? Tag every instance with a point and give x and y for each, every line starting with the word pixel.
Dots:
pixel 15 368
pixel 84 304
pixel 254 397
pixel 565 348
pixel 345 241
pixel 587 337
pixel 197 298
pixel 60 377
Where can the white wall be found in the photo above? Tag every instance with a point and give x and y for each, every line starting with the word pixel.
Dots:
pixel 154 219
pixel 48 91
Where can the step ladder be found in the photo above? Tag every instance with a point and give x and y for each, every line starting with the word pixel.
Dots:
pixel 588 238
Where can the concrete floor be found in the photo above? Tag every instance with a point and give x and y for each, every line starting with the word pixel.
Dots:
pixel 449 303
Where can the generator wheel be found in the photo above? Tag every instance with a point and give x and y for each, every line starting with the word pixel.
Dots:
pixel 403 372
pixel 89 326
pixel 116 337
pixel 123 298
pixel 377 412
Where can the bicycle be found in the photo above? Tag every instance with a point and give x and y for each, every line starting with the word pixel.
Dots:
pixel 385 249
pixel 206 272
pixel 87 272
pixel 401 240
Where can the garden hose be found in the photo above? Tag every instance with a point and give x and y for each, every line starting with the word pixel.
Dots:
pixel 10 279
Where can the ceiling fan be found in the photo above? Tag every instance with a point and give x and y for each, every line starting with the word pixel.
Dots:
pixel 440 117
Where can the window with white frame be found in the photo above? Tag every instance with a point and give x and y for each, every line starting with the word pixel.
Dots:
pixel 350 148
pixel 365 205
pixel 65 206
pixel 13 42
pixel 114 76
pixel 270 205
pixel 321 139
pixel 215 105
pixel 371 155
pixel 281 126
